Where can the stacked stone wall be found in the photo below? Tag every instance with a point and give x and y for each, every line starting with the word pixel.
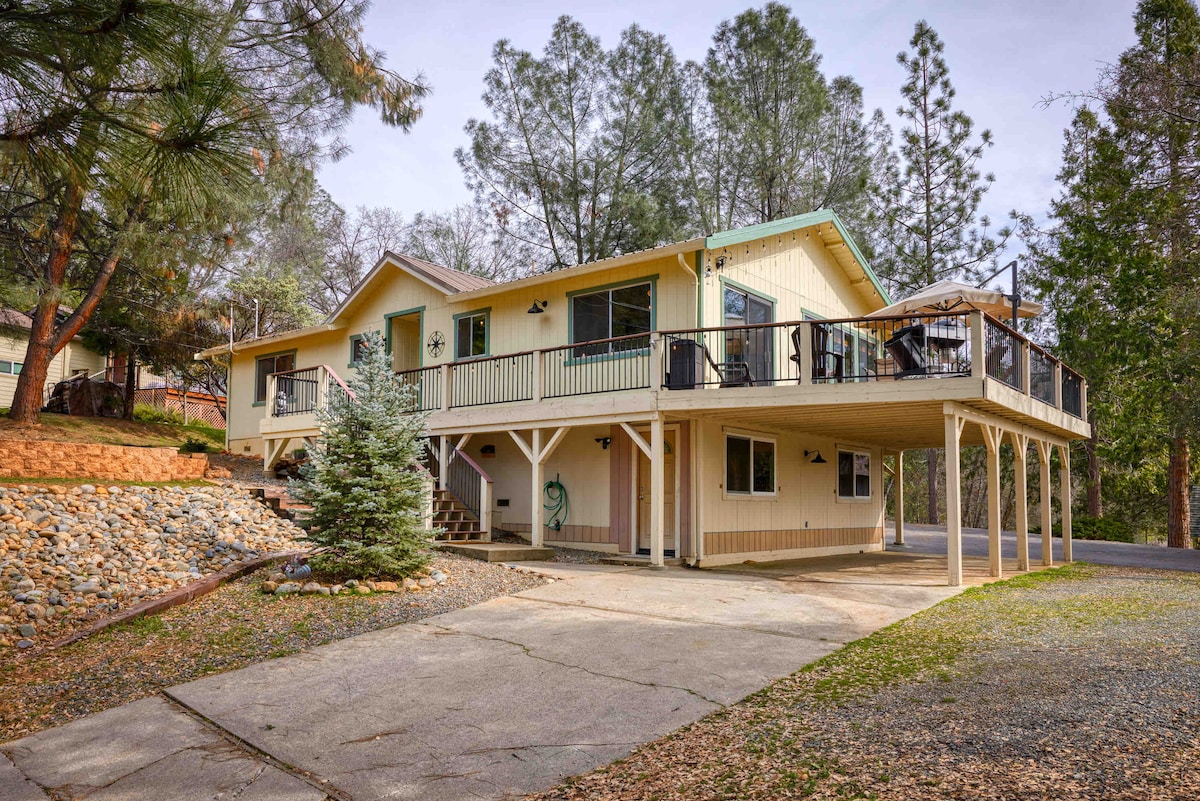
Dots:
pixel 40 459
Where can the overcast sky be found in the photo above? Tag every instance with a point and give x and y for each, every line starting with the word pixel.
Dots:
pixel 1004 57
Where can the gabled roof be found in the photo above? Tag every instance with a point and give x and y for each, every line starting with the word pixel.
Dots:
pixel 830 228
pixel 443 279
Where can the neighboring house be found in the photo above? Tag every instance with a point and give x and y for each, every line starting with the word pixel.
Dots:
pixel 717 400
pixel 14 340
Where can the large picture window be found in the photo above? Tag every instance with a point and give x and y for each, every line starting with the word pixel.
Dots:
pixel 854 474
pixel 609 313
pixel 264 366
pixel 749 465
pixel 471 335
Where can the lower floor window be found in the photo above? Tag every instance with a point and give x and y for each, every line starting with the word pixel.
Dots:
pixel 749 465
pixel 854 474
pixel 10 368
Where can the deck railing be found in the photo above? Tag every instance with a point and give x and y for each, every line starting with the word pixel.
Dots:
pixel 835 351
pixel 302 391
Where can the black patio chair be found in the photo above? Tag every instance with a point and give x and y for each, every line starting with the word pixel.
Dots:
pixel 907 348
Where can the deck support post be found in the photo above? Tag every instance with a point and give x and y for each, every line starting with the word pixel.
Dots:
pixel 1020 444
pixel 954 427
pixel 899 497
pixel 537 480
pixel 443 462
pixel 658 488
pixel 991 438
pixel 1043 449
pixel 1064 487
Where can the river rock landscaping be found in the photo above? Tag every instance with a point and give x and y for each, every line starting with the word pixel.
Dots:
pixel 70 555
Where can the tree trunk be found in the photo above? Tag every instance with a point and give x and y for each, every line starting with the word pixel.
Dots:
pixel 130 386
pixel 931 471
pixel 1095 504
pixel 1178 513
pixel 27 399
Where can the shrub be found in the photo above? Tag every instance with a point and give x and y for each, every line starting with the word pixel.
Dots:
pixel 367 496
pixel 145 413
pixel 193 445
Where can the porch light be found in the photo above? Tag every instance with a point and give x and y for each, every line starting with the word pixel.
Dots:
pixel 818 458
pixel 538 306
pixel 604 442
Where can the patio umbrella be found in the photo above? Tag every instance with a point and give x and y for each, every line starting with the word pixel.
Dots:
pixel 955 296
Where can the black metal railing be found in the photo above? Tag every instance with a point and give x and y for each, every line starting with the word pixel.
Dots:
pixel 1041 375
pixel 496 379
pixel 872 349
pixel 1002 352
pixel 465 482
pixel 608 365
pixel 1072 392
pixel 731 356
pixel 296 392
pixel 427 387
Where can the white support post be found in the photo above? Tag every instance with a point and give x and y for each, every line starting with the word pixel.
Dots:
pixel 272 395
pixel 1064 487
pixel 1043 449
pixel 1083 401
pixel 443 462
pixel 991 438
pixel 978 345
pixel 539 375
pixel 485 509
pixel 323 389
pixel 954 425
pixel 658 487
pixel 1020 444
pixel 447 386
pixel 537 479
pixel 899 497
pixel 1058 393
pixel 1026 385
pixel 658 369
pixel 806 353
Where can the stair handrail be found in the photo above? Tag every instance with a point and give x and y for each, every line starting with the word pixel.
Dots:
pixel 478 504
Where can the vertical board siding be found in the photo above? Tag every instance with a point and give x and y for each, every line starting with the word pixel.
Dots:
pixel 717 543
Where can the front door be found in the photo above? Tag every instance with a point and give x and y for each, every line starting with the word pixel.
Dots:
pixel 670 528
pixel 753 347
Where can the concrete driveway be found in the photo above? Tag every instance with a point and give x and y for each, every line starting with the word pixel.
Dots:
pixel 503 698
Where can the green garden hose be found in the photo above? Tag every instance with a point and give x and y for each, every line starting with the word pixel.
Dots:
pixel 557 504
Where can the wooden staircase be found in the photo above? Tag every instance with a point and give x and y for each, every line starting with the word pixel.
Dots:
pixel 458 523
pixel 282 504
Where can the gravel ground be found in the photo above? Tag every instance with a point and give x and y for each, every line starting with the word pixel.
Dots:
pixel 234 626
pixel 1079 684
pixel 246 470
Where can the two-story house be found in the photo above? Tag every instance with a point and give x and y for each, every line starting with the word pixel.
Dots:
pixel 718 400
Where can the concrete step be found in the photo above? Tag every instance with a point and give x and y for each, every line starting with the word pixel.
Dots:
pixel 497 551
pixel 638 560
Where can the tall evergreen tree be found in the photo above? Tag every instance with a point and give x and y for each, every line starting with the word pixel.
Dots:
pixel 930 223
pixel 578 158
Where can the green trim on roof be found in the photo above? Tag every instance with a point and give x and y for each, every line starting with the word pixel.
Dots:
pixel 724 239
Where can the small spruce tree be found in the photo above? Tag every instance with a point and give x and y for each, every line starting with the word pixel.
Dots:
pixel 362 478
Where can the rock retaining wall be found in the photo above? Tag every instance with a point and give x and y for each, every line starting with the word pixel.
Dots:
pixel 39 459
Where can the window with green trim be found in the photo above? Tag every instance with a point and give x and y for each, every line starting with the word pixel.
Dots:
pixel 10 368
pixel 358 349
pixel 265 366
pixel 749 465
pixel 610 313
pixel 470 336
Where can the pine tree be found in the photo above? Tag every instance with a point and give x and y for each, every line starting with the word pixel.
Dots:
pixel 362 479
pixel 931 226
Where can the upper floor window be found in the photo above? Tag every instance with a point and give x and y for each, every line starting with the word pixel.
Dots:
pixel 471 335
pixel 358 349
pixel 609 313
pixel 264 366
pixel 854 474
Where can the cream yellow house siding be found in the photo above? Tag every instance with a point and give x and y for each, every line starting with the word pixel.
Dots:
pixel 806 497
pixel 797 273
pixel 80 358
